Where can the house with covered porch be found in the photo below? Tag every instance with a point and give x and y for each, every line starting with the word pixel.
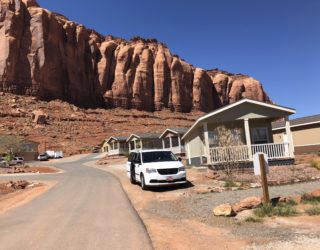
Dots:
pixel 144 141
pixel 236 132
pixel 171 140
pixel 117 145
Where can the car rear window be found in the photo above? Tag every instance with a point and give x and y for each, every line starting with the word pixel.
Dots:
pixel 158 156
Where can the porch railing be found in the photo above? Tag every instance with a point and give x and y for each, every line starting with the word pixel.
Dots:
pixel 273 150
pixel 241 153
pixel 228 154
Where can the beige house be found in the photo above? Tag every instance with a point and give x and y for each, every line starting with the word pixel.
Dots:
pixel 144 141
pixel 305 133
pixel 117 145
pixel 248 123
pixel 171 140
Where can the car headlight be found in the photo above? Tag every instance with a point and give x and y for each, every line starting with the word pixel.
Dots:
pixel 151 170
pixel 182 169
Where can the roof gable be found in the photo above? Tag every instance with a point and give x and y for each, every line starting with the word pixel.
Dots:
pixel 237 113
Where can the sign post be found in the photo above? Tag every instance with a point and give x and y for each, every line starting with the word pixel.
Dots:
pixel 261 167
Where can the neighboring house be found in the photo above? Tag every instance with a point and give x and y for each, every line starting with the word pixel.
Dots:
pixel 249 123
pixel 105 146
pixel 171 140
pixel 305 133
pixel 29 150
pixel 144 141
pixel 117 145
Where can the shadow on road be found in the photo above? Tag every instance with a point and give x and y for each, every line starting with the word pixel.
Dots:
pixel 170 188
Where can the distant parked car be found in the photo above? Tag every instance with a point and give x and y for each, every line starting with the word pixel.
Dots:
pixel 16 161
pixel 58 154
pixel 50 154
pixel 95 150
pixel 3 163
pixel 43 157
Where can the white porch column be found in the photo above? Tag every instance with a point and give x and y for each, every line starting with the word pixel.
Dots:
pixel 289 137
pixel 248 137
pixel 188 151
pixel 206 142
pixel 179 143
pixel 163 145
pixel 170 142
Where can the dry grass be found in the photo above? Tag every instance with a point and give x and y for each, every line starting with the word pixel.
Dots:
pixel 315 163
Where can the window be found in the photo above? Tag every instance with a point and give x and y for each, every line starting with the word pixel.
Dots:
pixel 175 141
pixel 115 146
pixel 260 135
pixel 160 156
pixel 167 142
pixel 213 138
pixel 132 145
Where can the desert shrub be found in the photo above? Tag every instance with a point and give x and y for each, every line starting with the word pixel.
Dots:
pixel 265 210
pixel 284 210
pixel 230 183
pixel 313 211
pixel 281 209
pixel 253 219
pixel 315 163
pixel 291 203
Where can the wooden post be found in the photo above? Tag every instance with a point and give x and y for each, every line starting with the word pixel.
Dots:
pixel 264 180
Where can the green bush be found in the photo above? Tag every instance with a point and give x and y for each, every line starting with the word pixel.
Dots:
pixel 284 210
pixel 264 210
pixel 313 211
pixel 281 209
pixel 230 183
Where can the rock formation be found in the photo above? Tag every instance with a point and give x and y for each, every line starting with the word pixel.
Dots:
pixel 45 55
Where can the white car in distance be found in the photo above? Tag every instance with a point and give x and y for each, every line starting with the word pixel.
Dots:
pixel 155 168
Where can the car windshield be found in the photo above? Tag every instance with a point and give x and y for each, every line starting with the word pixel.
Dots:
pixel 158 156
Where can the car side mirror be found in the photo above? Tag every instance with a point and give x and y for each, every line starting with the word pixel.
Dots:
pixel 179 159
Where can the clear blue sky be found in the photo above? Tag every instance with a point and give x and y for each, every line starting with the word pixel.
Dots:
pixel 275 41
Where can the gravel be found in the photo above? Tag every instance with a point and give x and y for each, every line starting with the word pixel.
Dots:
pixel 199 207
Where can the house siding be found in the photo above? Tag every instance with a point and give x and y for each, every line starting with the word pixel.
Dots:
pixel 305 138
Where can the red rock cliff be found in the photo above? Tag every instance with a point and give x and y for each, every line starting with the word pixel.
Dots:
pixel 46 55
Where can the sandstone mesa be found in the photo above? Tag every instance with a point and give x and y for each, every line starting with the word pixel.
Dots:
pixel 44 54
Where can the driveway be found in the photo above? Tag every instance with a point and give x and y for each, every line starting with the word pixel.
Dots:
pixel 86 209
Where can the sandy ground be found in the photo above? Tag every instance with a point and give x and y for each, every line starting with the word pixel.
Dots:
pixel 21 197
pixel 172 224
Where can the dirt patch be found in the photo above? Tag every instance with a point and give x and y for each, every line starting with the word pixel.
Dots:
pixel 29 169
pixel 11 198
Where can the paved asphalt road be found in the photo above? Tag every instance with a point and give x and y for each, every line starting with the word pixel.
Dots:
pixel 86 209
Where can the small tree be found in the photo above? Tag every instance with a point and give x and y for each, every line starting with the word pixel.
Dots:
pixel 228 139
pixel 9 145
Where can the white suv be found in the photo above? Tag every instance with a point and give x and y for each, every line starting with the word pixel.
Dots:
pixel 155 168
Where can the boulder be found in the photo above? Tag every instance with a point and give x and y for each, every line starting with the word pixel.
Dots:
pixel 247 203
pixel 243 215
pixel 315 193
pixel 224 210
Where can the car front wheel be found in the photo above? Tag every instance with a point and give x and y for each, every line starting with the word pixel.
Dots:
pixel 143 183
